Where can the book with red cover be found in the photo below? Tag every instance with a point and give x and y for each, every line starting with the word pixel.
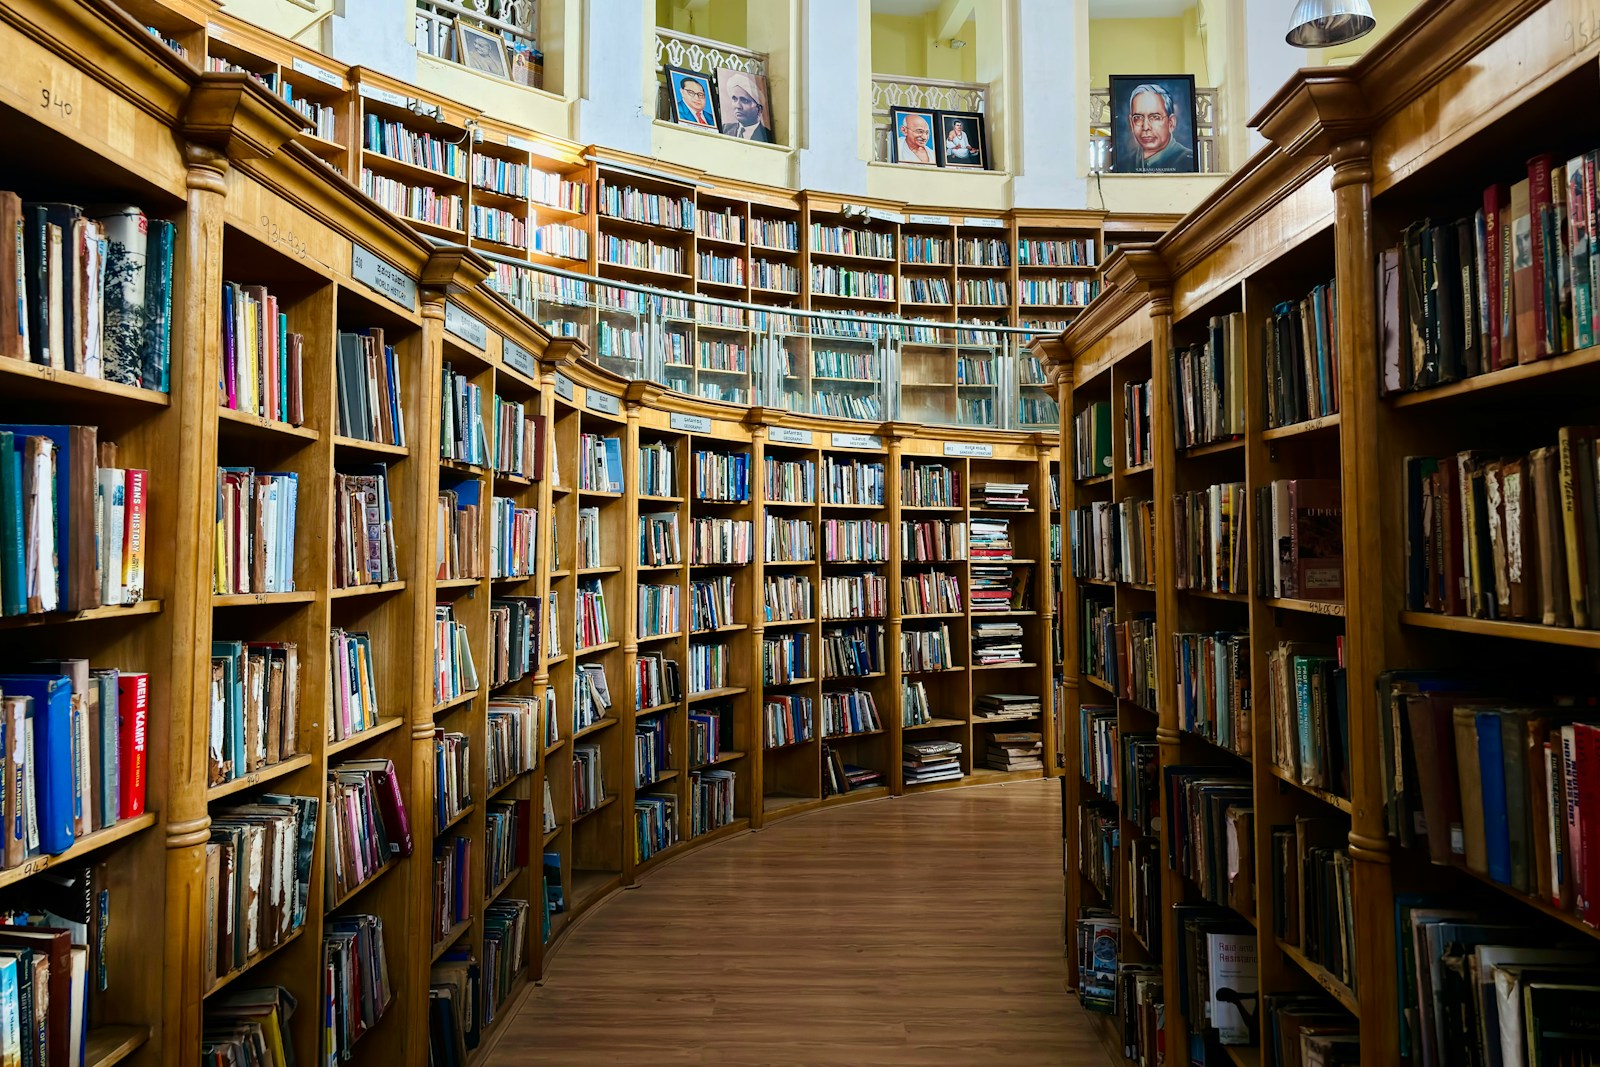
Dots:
pixel 133 714
pixel 1586 738
pixel 1317 539
pixel 391 804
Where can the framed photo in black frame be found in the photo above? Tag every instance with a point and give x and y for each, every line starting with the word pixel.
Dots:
pixel 1153 124
pixel 963 140
pixel 912 137
pixel 693 103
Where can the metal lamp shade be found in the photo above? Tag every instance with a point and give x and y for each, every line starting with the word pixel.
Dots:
pixel 1321 23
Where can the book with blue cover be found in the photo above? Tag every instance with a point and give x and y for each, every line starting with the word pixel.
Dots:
pixel 54 769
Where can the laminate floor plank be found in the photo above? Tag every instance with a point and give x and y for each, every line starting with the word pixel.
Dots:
pixel 913 932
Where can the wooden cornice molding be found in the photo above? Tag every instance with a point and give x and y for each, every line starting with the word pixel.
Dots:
pixel 234 115
pixel 1138 267
pixel 566 354
pixel 644 394
pixel 1315 110
pixel 454 269
pixel 1056 357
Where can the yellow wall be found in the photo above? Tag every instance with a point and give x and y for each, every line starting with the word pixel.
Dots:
pixel 1144 46
pixel 906 45
pixel 284 18
pixel 719 20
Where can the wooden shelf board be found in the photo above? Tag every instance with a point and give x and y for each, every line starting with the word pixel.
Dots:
pixel 717 694
pixel 37 380
pixel 779 624
pixel 377 589
pixel 1520 631
pixel 1007 666
pixel 496 790
pixel 672 705
pixel 595 727
pixel 1321 794
pixel 856 736
pixel 225 980
pixel 383 727
pixel 110 1045
pixel 1525 372
pixel 553 834
pixel 589 886
pixel 356 890
pixel 258 777
pixel 494 894
pixel 1543 906
pixel 788 682
pixel 1207 594
pixel 244 600
pixel 935 670
pixel 668 775
pixel 1140 468
pixel 1297 429
pixel 990 776
pixel 455 820
pixel 722 757
pixel 777 804
pixel 937 615
pixel 1333 608
pixel 514 479
pixel 1340 992
pixel 935 724
pixel 584 572
pixel 59 618
pixel 250 422
pixel 81 847
pixel 374 448
pixel 1099 683
pixel 605 802
pixel 869 792
pixel 592 650
pixel 443 944
pixel 437 179
pixel 1215 448
pixel 648 639
pixel 457 583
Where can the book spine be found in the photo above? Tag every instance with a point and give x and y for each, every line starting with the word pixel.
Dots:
pixel 133 553
pixel 1544 279
pixel 133 709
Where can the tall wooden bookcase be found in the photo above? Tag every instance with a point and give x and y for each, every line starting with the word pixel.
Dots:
pixel 1355 156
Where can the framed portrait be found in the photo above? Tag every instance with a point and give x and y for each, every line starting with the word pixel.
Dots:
pixel 1153 124
pixel 963 141
pixel 911 135
pixel 692 101
pixel 743 104
pixel 481 51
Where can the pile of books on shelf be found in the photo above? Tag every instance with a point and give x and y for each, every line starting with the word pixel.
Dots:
pixel 112 267
pixel 371 404
pixel 1001 707
pixel 995 643
pixel 364 550
pixel 451 777
pixel 255 708
pixel 256 515
pixel 1310 714
pixel 1213 676
pixel 786 720
pixel 1302 359
pixel 269 842
pixel 1208 385
pixel 261 359
pixel 1303 517
pixel 840 777
pixel 368 827
pixel 712 799
pixel 1016 750
pixel 1210 534
pixel 353 689
pixel 930 761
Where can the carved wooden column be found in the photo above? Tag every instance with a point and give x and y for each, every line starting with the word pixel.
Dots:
pixel 227 118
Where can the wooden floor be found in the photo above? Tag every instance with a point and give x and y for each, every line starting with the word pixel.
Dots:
pixel 920 930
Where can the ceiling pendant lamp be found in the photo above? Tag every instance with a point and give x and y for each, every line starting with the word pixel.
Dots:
pixel 1322 23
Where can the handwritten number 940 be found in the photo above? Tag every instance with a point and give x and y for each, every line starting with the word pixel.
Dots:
pixel 48 100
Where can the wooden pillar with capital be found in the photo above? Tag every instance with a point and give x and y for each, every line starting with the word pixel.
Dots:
pixel 1325 113
pixel 227 118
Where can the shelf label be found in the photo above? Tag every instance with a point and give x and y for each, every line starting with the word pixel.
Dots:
pixel 375 274
pixel 787 435
pixel 383 96
pixel 516 357
pixel 985 224
pixel 314 71
pixel 604 403
pixel 884 216
pixel 857 440
pixel 465 326
pixel 690 423
pixel 968 450
pixel 513 141
pixel 563 387
pixel 929 220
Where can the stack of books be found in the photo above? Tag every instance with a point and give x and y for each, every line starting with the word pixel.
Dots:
pixel 1016 750
pixel 993 706
pixel 1012 496
pixel 996 642
pixel 930 761
pixel 990 539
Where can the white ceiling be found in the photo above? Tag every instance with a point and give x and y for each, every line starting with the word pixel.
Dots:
pixel 1136 9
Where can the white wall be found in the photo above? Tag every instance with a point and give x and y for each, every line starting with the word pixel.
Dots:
pixel 1048 92
pixel 377 34
pixel 835 121
pixel 611 109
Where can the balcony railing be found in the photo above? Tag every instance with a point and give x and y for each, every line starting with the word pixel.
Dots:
pixel 703 56
pixel 1207 158
pixel 933 94
pixel 514 21
pixel 841 365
